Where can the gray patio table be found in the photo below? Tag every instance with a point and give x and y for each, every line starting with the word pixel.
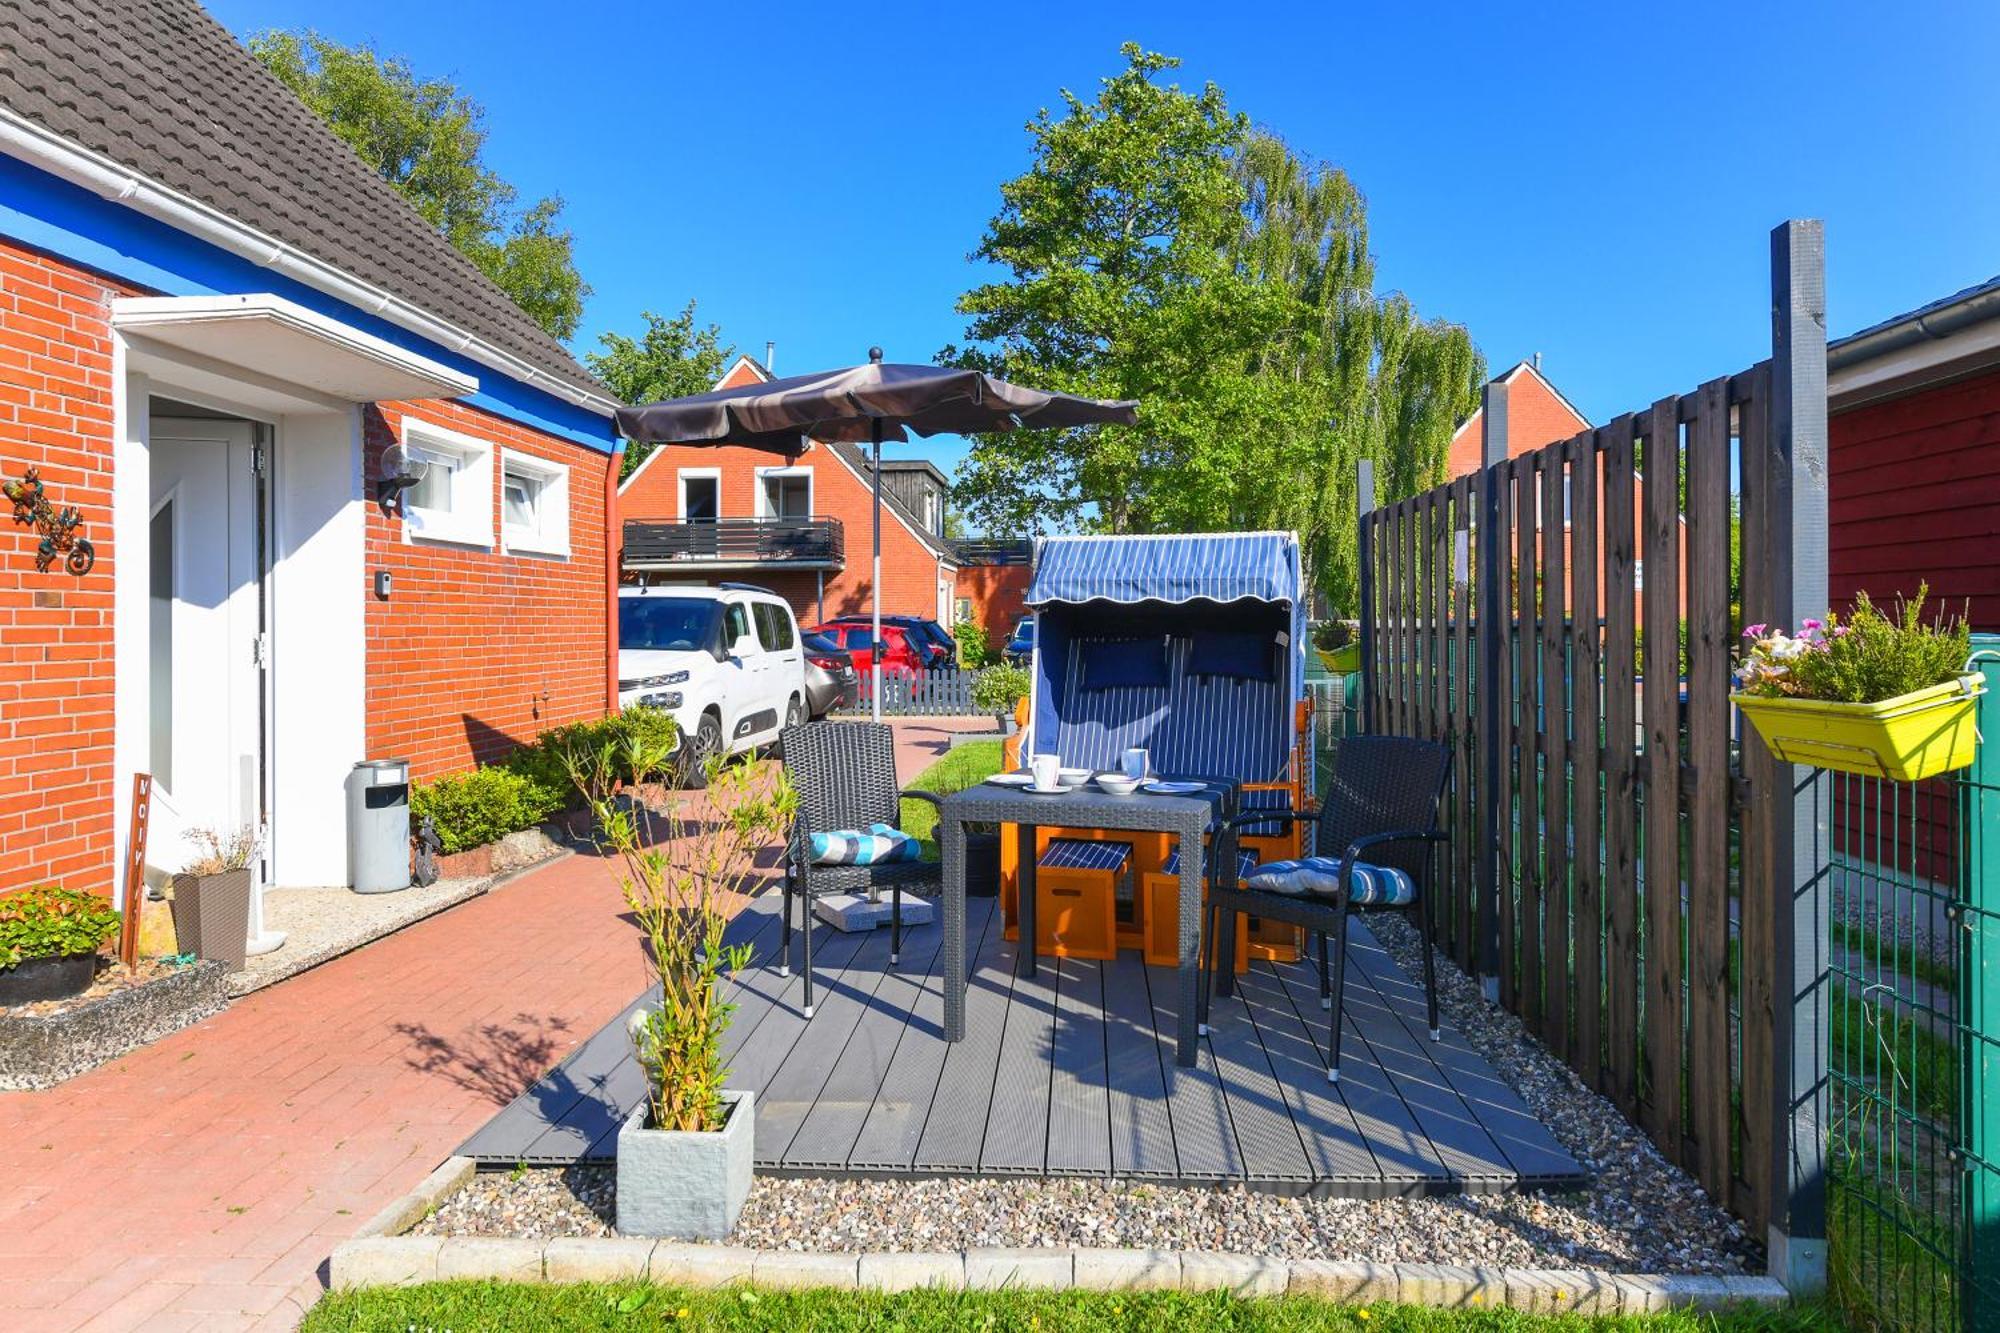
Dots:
pixel 1187 817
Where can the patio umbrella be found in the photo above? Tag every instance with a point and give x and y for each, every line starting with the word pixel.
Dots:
pixel 875 402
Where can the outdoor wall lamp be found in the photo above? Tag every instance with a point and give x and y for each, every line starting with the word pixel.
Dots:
pixel 382 584
pixel 401 469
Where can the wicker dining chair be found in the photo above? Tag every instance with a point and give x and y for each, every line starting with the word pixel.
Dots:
pixel 1381 812
pixel 845 777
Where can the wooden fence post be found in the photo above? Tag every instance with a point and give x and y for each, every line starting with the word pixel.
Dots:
pixel 1493 622
pixel 1798 888
pixel 1364 490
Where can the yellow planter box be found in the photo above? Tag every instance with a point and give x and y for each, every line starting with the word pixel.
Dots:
pixel 1912 736
pixel 1341 661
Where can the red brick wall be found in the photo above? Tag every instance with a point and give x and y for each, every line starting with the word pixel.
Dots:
pixel 910 570
pixel 478 651
pixel 999 596
pixel 1536 415
pixel 56 772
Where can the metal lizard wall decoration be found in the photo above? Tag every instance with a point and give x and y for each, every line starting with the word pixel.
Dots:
pixel 57 526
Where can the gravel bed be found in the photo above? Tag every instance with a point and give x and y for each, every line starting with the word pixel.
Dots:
pixel 1641 1214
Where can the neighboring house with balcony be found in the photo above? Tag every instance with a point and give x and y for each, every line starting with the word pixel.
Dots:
pixel 797 524
pixel 215 320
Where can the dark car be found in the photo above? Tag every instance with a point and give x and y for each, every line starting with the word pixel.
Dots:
pixel 936 647
pixel 831 680
pixel 1021 647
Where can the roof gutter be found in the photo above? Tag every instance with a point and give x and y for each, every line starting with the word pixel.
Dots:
pixel 42 147
pixel 1930 326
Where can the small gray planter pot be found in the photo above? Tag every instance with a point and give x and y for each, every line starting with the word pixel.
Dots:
pixel 686 1185
pixel 212 916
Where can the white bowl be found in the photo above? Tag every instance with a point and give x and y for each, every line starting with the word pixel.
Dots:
pixel 1117 783
pixel 1073 777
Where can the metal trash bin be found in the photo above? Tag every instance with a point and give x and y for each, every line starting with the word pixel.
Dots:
pixel 378 826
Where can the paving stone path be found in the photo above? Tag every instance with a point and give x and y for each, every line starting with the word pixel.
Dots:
pixel 203 1181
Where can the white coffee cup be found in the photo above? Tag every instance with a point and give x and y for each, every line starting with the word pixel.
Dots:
pixel 1045 767
pixel 1135 763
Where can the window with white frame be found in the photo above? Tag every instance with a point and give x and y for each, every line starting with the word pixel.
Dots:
pixel 534 504
pixel 454 501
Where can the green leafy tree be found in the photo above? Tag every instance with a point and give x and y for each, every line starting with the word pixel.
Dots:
pixel 1159 248
pixel 673 358
pixel 425 137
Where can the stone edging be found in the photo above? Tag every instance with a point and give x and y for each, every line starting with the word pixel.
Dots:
pixel 380 1256
pixel 41 1050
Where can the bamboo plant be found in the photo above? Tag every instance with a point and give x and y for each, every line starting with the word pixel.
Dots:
pixel 685 872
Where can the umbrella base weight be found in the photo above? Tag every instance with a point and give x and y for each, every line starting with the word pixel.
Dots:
pixel 852 911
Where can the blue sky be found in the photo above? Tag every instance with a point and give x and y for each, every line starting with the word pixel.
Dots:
pixel 1593 182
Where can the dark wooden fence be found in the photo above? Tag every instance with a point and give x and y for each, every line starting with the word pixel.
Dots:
pixel 1628 879
pixel 946 692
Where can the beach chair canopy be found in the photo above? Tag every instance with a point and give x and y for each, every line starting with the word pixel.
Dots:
pixel 1190 646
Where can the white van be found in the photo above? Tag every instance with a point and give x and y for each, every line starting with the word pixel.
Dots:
pixel 725 661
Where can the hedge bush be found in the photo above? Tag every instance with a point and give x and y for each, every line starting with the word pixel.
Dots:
pixel 485 805
pixel 999 687
pixel 543 762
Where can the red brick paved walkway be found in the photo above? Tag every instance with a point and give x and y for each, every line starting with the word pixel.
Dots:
pixel 203 1181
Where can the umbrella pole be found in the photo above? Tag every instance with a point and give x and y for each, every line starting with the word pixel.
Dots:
pixel 875 577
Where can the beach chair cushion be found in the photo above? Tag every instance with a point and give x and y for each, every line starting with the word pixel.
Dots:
pixel 1245 863
pixel 1373 886
pixel 1239 655
pixel 1110 664
pixel 878 844
pixel 1085 854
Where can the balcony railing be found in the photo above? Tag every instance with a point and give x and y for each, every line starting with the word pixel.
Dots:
pixel 794 543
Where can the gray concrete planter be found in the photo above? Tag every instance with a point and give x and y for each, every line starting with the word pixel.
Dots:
pixel 42 1050
pixel 685 1185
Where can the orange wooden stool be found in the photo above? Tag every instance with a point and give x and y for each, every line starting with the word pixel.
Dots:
pixel 1162 888
pixel 1076 897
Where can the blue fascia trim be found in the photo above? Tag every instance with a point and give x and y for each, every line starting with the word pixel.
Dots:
pixel 51 214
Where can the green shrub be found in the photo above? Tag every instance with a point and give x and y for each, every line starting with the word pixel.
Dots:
pixel 999 687
pixel 52 922
pixel 636 730
pixel 975 650
pixel 485 805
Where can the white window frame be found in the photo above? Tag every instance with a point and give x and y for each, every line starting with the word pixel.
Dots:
pixel 763 497
pixel 713 474
pixel 469 522
pixel 550 535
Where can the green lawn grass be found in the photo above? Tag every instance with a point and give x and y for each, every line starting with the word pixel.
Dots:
pixel 966 766
pixel 465 1307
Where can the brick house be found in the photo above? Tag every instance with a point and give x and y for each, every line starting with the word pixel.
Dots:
pixel 796 524
pixel 1539 415
pixel 215 321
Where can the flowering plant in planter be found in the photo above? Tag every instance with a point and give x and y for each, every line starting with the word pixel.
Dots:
pixel 1872 693
pixel 684 1157
pixel 49 938
pixel 211 901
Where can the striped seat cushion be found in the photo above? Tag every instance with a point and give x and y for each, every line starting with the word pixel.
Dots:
pixel 878 844
pixel 1374 886
pixel 1245 863
pixel 1085 854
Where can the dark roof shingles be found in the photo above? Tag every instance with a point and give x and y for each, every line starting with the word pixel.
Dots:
pixel 159 86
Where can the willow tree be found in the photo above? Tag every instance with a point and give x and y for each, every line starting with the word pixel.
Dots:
pixel 1158 248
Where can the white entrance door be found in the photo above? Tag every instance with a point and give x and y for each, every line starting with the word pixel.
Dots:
pixel 205 682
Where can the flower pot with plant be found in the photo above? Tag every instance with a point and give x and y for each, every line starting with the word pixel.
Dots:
pixel 686 1152
pixel 212 895
pixel 49 938
pixel 1338 643
pixel 1872 694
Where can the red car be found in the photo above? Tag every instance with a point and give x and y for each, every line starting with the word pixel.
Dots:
pixel 899 656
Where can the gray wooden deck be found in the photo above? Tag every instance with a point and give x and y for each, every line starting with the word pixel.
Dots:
pixel 1071 1074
